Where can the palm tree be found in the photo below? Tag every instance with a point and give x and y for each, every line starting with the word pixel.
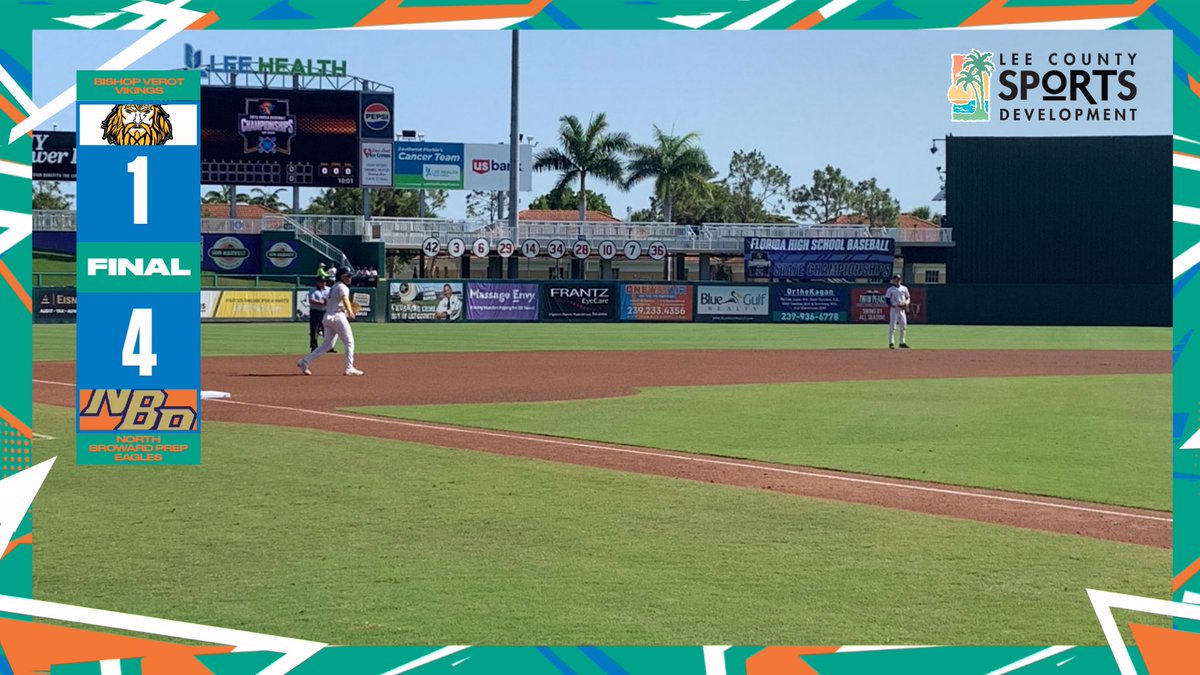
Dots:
pixel 269 200
pixel 222 196
pixel 969 81
pixel 673 162
pixel 586 151
pixel 980 65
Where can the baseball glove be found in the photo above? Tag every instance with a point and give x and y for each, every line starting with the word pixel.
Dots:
pixel 357 309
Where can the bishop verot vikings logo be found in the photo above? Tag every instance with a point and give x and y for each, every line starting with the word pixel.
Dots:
pixel 267 127
pixel 137 124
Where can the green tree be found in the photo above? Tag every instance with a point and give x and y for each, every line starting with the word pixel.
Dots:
pixel 976 67
pixel 384 202
pixel 222 196
pixel 484 204
pixel 565 198
pixel 48 196
pixel 829 196
pixel 926 213
pixel 758 189
pixel 270 200
pixel 673 162
pixel 876 204
pixel 585 151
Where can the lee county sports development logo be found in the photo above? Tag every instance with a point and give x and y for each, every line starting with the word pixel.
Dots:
pixel 970 86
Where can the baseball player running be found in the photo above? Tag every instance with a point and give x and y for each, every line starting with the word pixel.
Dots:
pixel 897 298
pixel 339 312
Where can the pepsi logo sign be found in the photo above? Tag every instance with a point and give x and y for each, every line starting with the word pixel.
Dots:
pixel 377 116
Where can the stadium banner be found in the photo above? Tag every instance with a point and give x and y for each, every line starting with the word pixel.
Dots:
pixel 285 137
pixel 867 305
pixel 579 301
pixel 733 303
pixel 810 303
pixel 54 242
pixel 247 305
pixel 54 155
pixel 656 302
pixel 232 253
pixel 425 301
pixel 376 119
pixel 54 305
pixel 817 258
pixel 457 166
pixel 499 301
pixel 377 164
pixel 280 257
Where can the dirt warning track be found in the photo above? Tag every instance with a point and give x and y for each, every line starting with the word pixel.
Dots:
pixel 267 390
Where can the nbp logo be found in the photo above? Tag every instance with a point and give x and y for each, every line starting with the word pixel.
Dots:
pixel 137 410
pixel 970 86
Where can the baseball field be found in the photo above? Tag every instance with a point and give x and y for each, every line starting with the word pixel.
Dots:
pixel 634 484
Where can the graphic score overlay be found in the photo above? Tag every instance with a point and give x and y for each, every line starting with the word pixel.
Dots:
pixel 138 390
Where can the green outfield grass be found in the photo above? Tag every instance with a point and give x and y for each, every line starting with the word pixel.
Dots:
pixel 57 342
pixel 1096 438
pixel 363 541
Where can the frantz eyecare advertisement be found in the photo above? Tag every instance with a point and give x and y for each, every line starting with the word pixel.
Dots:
pixel 579 301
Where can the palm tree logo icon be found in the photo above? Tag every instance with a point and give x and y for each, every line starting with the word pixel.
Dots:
pixel 971 86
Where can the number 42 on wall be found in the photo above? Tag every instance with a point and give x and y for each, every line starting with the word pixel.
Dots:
pixel 138 351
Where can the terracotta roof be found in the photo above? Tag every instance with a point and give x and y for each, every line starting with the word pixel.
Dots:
pixel 244 211
pixel 552 215
pixel 905 221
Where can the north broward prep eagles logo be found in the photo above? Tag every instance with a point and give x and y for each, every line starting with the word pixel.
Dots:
pixel 267 127
pixel 970 86
pixel 137 124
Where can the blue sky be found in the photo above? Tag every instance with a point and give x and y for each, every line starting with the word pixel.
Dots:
pixel 867 102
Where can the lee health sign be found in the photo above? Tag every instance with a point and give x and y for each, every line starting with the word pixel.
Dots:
pixel 457 166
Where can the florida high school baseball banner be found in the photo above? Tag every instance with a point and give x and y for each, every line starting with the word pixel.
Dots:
pixel 819 258
pixel 138 336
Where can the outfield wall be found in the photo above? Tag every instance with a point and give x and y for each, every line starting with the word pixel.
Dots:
pixel 682 302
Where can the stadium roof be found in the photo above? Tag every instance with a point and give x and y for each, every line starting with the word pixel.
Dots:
pixel 565 215
pixel 905 221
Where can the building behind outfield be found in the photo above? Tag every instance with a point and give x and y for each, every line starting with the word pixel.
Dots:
pixel 1059 230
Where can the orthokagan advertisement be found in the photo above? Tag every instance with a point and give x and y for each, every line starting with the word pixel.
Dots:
pixel 810 304
pixel 656 302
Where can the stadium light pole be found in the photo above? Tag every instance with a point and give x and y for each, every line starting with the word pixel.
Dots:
pixel 514 150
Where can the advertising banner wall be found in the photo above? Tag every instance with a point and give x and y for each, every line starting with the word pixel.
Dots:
pixel 733 303
pixel 567 301
pixel 247 305
pixel 458 166
pixel 488 301
pixel 54 155
pixel 377 163
pixel 816 258
pixel 280 257
pixel 232 253
pixel 54 305
pixel 868 306
pixel 425 301
pixel 810 304
pixel 656 302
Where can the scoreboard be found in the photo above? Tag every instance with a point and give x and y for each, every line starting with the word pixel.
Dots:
pixel 138 263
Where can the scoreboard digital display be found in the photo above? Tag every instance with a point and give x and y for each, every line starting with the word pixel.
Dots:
pixel 279 137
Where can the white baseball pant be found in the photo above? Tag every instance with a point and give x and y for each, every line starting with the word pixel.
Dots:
pixel 898 318
pixel 336 326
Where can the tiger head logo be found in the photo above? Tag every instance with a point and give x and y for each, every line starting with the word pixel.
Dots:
pixel 137 124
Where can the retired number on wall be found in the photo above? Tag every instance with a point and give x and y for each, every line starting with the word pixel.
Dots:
pixel 138 331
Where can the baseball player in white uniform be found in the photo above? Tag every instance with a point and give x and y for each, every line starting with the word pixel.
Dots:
pixel 338 315
pixel 897 298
